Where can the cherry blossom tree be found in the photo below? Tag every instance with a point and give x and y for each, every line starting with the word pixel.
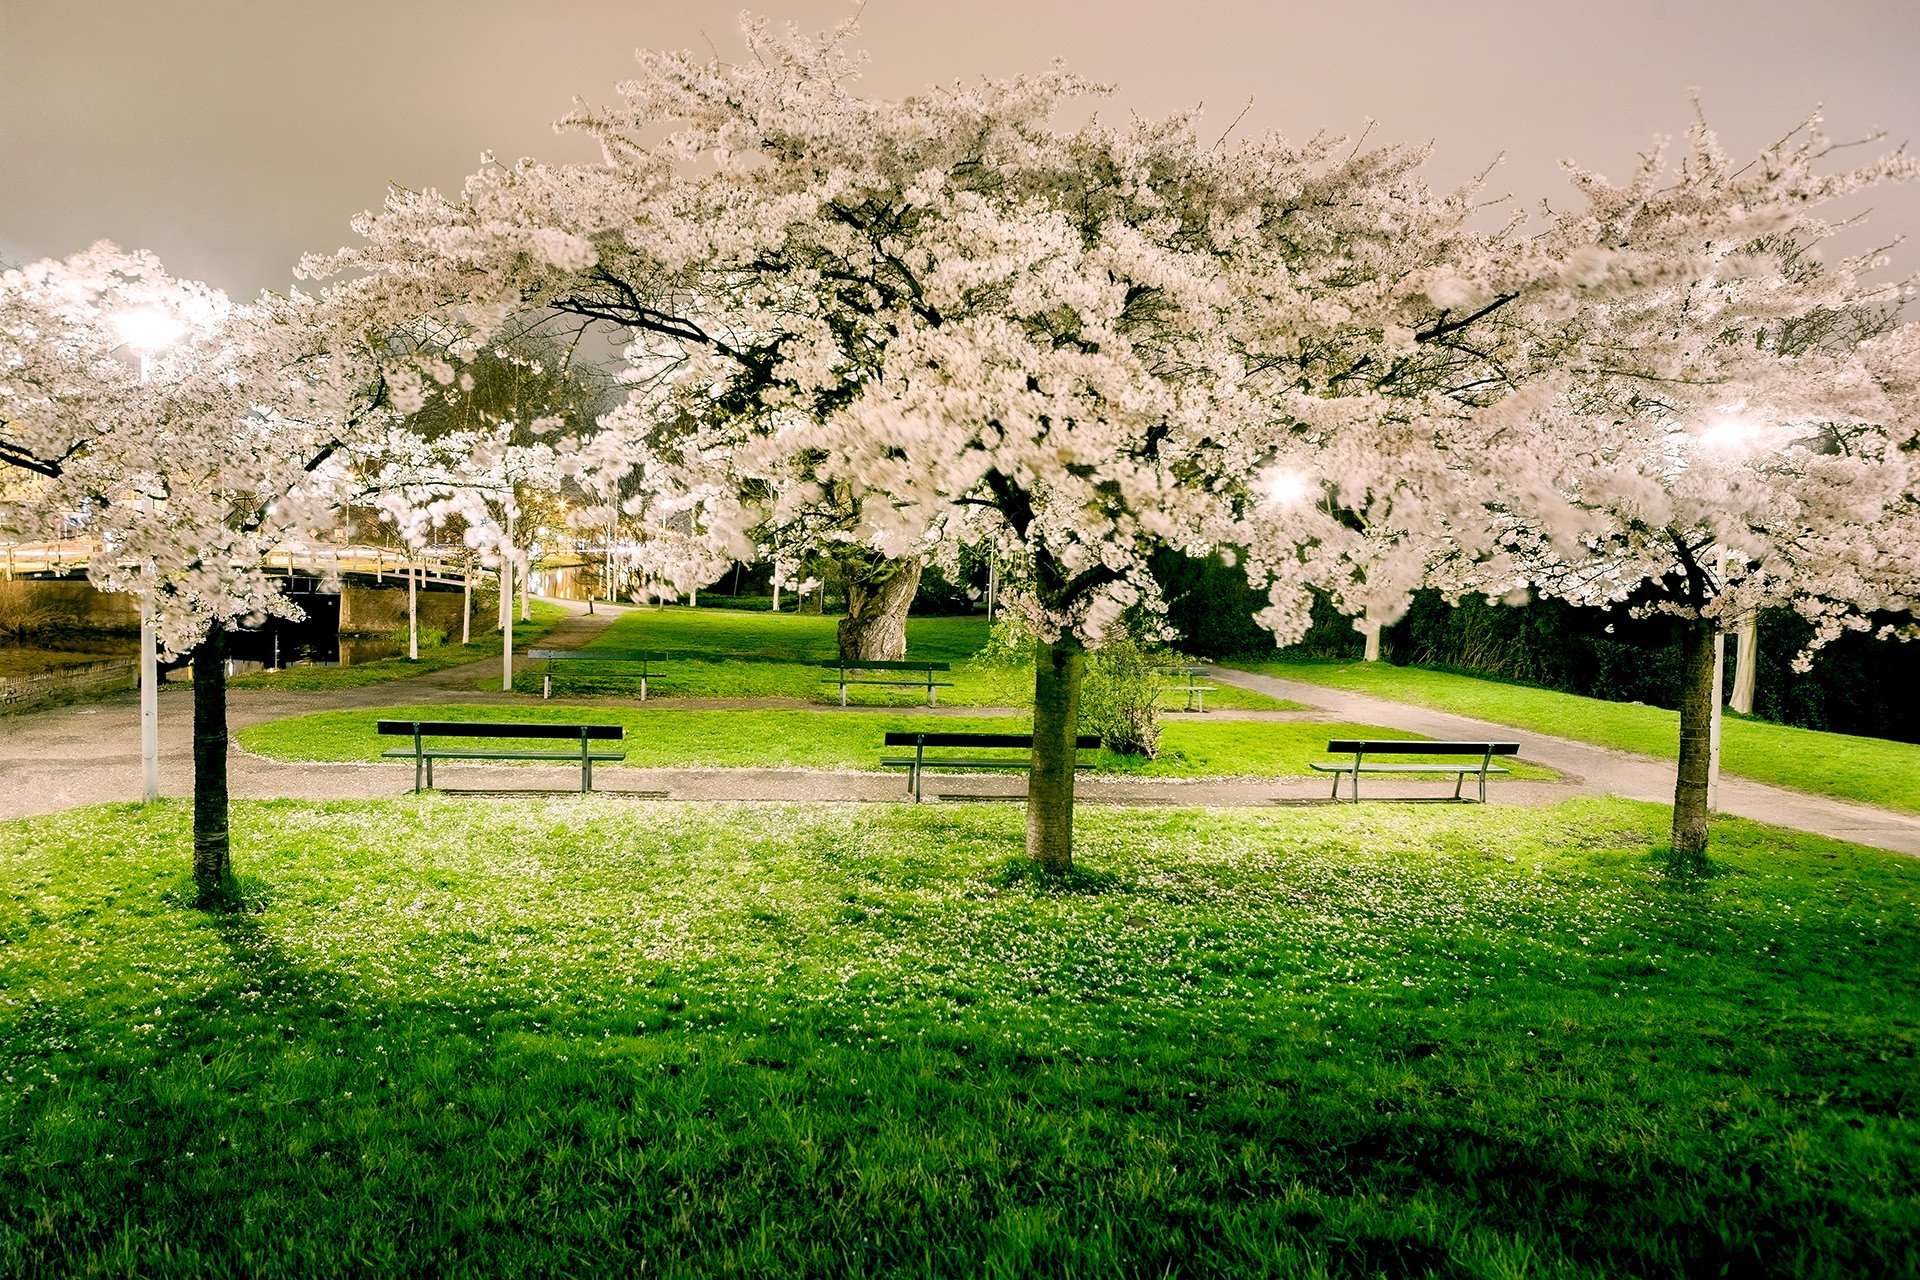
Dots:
pixel 187 472
pixel 1737 425
pixel 891 327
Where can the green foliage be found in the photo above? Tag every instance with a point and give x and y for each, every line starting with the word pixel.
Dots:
pixel 586 1036
pixel 1120 698
pixel 1870 770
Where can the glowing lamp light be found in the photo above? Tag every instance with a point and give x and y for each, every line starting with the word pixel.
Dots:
pixel 147 329
pixel 1731 435
pixel 1285 487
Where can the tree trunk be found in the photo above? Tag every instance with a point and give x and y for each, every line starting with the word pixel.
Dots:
pixel 212 865
pixel 1057 671
pixel 1689 855
pixel 877 601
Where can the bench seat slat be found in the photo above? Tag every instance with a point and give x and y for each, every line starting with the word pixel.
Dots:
pixel 1407 768
pixel 1415 747
pixel 502 753
pixel 897 738
pixel 967 762
pixel 497 729
pixel 597 655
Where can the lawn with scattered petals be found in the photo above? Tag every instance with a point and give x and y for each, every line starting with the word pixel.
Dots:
pixel 726 653
pixel 666 738
pixel 568 1036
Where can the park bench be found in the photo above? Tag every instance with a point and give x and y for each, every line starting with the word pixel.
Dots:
pixel 1187 680
pixel 1360 749
pixel 927 671
pixel 423 753
pixel 919 762
pixel 643 657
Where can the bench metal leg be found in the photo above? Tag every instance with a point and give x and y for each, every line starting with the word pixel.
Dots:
pixel 1459 780
pixel 919 752
pixel 429 773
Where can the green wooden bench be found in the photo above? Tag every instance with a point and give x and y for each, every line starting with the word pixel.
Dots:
pixel 643 657
pixel 919 762
pixel 424 753
pixel 1360 749
pixel 1195 691
pixel 925 679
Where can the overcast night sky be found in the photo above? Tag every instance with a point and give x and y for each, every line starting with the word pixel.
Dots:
pixel 230 136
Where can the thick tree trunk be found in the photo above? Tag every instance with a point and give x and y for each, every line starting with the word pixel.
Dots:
pixel 212 865
pixel 1057 671
pixel 876 623
pixel 1689 856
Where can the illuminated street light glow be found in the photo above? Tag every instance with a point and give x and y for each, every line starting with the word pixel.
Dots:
pixel 1286 487
pixel 147 329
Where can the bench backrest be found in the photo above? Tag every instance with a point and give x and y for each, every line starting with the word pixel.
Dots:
pixel 496 729
pixel 876 665
pixel 596 655
pixel 1402 747
pixel 1085 741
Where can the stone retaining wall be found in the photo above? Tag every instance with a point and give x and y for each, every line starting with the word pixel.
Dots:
pixel 379 611
pixel 67 684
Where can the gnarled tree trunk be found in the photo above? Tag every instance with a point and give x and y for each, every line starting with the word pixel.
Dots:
pixel 1058 668
pixel 1689 856
pixel 879 593
pixel 212 866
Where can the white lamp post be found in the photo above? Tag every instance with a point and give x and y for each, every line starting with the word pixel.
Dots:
pixel 146 331
pixel 1737 437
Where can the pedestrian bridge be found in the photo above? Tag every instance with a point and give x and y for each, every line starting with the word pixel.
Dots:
pixel 63 558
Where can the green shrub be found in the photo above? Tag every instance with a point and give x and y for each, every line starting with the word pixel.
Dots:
pixel 1119 699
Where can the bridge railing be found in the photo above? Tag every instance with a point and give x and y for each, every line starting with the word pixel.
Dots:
pixel 21 559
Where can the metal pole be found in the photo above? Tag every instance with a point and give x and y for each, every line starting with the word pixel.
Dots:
pixel 1719 687
pixel 1746 657
pixel 413 613
pixel 506 609
pixel 466 602
pixel 149 707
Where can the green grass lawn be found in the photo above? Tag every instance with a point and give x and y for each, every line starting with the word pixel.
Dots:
pixel 778 655
pixel 666 738
pixel 432 658
pixel 458 1036
pixel 1871 770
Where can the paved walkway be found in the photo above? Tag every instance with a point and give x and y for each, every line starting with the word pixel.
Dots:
pixel 90 753
pixel 1603 770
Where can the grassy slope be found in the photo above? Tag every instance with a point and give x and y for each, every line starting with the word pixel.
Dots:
pixel 767 655
pixel 1871 770
pixel 432 658
pixel 570 1037
pixel 658 737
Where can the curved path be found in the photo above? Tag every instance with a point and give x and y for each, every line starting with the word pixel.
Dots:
pixel 89 753
pixel 1604 770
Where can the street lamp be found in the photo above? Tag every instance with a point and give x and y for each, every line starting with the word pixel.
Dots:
pixel 147 330
pixel 1736 437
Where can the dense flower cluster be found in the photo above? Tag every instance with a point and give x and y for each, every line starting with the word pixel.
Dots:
pixel 186 460
pixel 908 325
